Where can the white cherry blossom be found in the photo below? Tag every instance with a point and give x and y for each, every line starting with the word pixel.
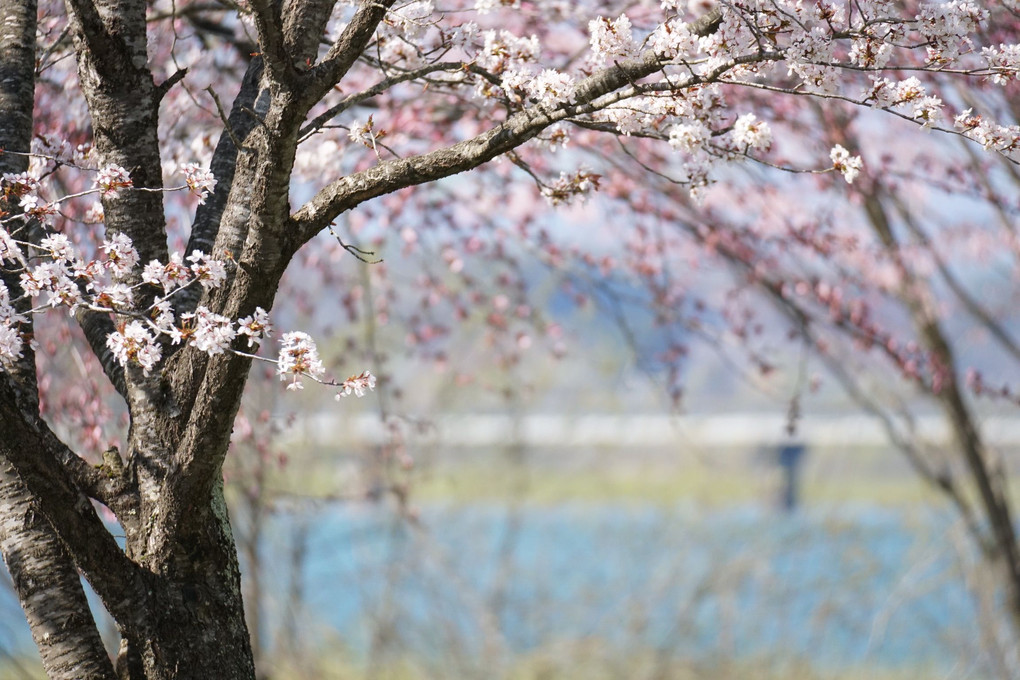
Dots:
pixel 299 356
pixel 849 166
pixel 134 343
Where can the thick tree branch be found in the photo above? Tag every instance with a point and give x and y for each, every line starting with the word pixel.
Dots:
pixel 304 23
pixel 106 483
pixel 345 51
pixel 123 103
pixel 269 24
pixel 43 574
pixel 94 33
pixel 23 443
pixel 17 88
pixel 48 587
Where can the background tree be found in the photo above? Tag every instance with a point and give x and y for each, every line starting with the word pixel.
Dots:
pixel 337 104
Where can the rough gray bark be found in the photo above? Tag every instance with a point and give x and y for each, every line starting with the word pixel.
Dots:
pixel 48 587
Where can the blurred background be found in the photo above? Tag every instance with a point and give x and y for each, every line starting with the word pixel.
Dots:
pixel 560 517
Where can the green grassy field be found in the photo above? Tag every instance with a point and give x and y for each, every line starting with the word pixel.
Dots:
pixel 544 665
pixel 710 479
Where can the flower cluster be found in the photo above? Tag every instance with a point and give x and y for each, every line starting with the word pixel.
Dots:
pixel 112 179
pixel 504 50
pixel 690 137
pixel 611 39
pixel 207 271
pixel 208 332
pixel 59 247
pixel 17 185
pixel 299 356
pixel 1004 62
pixel 135 343
pixel 1002 138
pixel 356 385
pixel 200 181
pixel 174 274
pixel 255 326
pixel 748 131
pixel 486 6
pixel 551 87
pixel 567 187
pixel 11 342
pixel 843 162
pixel 143 334
pixel 946 26
pixel 121 256
pixel 54 279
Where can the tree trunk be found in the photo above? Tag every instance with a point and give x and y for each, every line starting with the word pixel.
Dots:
pixel 48 587
pixel 194 620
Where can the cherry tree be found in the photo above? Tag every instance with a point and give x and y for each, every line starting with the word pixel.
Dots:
pixel 166 163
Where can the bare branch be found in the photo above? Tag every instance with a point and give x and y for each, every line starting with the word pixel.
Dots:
pixel 165 86
pixel 386 84
pixel 973 307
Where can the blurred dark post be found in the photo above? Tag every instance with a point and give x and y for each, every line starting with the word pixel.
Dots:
pixel 790 457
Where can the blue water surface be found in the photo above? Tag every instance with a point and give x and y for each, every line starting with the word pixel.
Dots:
pixel 848 588
pixel 859 587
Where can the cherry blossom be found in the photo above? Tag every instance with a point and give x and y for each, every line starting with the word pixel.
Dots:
pixel 115 295
pixel 209 332
pixel 849 165
pixel 10 251
pixel 255 326
pixel 112 179
pixel 611 39
pixel 59 247
pixel 356 385
pixel 54 279
pixel 209 272
pixel 200 181
pixel 749 133
pixel 689 149
pixel 121 256
pixel 299 356
pixel 135 344
pixel 171 275
pixel 11 341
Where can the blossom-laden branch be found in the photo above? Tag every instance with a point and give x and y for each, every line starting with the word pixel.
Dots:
pixel 141 334
pixel 740 43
